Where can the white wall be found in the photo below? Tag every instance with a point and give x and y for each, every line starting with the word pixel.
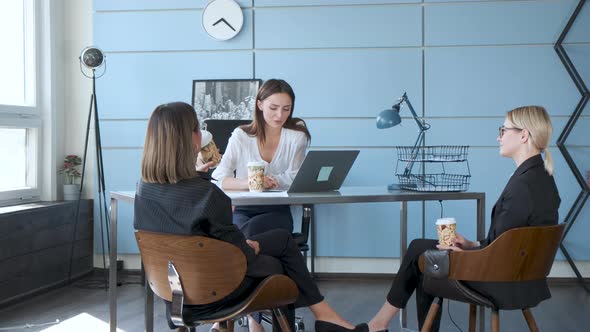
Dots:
pixel 77 32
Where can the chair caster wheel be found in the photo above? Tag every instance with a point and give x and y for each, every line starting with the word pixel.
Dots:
pixel 299 325
pixel 242 321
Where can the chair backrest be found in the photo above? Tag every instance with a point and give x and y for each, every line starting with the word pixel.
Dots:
pixel 519 254
pixel 222 129
pixel 209 269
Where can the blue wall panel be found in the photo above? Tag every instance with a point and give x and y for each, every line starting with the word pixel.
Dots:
pixel 579 31
pixel 348 60
pixel 344 83
pixel 370 26
pixel 103 5
pixel 492 23
pixel 488 81
pixel 363 230
pixel 362 133
pixel 281 3
pixel 579 55
pixel 123 134
pixel 150 79
pixel 481 131
pixel 162 31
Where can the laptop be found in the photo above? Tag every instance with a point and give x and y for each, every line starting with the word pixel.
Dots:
pixel 323 171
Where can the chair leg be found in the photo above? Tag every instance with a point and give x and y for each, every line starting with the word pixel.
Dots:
pixel 434 307
pixel 226 326
pixel 530 320
pixel 282 319
pixel 495 320
pixel 472 317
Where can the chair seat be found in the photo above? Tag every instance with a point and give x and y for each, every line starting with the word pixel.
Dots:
pixel 272 292
pixel 455 290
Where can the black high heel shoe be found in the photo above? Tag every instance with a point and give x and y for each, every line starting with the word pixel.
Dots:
pixel 323 326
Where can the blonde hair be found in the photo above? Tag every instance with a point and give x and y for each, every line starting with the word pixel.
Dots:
pixel 538 123
pixel 168 153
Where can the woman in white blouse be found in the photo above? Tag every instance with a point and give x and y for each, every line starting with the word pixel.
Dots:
pixel 274 137
pixel 279 140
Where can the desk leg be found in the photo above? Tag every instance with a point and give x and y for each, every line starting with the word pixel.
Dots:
pixel 113 268
pixel 149 303
pixel 481 226
pixel 309 210
pixel 403 234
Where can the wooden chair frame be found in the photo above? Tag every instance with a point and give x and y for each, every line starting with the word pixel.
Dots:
pixel 174 270
pixel 519 254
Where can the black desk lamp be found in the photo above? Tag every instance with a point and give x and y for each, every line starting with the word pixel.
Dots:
pixel 391 118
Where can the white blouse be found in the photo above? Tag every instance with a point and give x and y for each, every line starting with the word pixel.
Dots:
pixel 242 149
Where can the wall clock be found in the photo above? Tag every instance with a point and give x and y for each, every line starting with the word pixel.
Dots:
pixel 223 19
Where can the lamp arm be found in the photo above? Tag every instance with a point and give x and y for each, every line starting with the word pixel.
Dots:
pixel 414 153
pixel 423 126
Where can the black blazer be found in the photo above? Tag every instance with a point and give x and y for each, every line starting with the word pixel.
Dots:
pixel 529 199
pixel 189 207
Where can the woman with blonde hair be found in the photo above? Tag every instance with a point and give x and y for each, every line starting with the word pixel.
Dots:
pixel 530 198
pixel 172 197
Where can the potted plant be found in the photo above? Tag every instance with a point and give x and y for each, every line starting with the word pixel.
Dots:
pixel 71 173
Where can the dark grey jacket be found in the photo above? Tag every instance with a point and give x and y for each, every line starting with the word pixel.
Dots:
pixel 190 207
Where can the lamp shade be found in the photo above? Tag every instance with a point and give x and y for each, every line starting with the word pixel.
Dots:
pixel 92 57
pixel 389 117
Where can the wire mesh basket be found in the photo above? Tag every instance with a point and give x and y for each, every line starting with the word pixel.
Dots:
pixel 433 168
pixel 439 153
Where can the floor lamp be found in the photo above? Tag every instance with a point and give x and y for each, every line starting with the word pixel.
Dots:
pixel 93 59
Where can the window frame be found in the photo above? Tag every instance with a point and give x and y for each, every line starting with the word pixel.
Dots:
pixel 28 115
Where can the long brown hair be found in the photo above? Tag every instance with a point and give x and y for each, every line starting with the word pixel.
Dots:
pixel 269 88
pixel 538 123
pixel 168 153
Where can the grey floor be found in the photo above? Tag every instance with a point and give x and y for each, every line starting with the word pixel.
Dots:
pixel 356 300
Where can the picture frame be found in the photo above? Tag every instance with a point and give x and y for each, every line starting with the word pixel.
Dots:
pixel 225 99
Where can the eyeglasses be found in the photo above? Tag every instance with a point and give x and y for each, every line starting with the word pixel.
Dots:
pixel 503 129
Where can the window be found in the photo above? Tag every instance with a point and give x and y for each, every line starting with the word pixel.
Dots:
pixel 20 119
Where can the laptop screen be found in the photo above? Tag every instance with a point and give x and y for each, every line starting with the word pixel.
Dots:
pixel 323 170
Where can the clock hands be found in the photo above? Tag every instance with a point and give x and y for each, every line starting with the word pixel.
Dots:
pixel 224 21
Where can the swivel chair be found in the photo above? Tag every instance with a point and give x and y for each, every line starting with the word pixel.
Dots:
pixel 518 255
pixel 197 270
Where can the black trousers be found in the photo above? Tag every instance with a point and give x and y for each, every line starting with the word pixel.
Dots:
pixel 252 220
pixel 278 255
pixel 409 278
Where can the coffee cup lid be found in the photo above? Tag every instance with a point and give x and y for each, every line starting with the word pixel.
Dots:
pixel 206 138
pixel 445 221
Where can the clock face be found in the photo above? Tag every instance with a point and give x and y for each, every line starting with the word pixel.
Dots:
pixel 223 19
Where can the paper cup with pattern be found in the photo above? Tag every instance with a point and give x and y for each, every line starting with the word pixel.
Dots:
pixel 256 176
pixel 446 229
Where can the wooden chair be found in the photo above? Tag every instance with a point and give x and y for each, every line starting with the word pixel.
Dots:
pixel 519 254
pixel 197 270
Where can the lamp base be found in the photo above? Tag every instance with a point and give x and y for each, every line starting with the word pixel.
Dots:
pixel 394 186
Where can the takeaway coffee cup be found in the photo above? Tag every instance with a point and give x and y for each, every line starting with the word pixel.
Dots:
pixel 256 176
pixel 446 229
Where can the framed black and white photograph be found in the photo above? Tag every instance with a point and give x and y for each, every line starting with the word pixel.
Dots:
pixel 233 99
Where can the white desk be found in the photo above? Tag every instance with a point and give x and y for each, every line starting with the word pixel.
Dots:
pixel 308 200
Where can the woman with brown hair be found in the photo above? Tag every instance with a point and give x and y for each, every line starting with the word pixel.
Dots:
pixel 172 197
pixel 278 140
pixel 530 198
